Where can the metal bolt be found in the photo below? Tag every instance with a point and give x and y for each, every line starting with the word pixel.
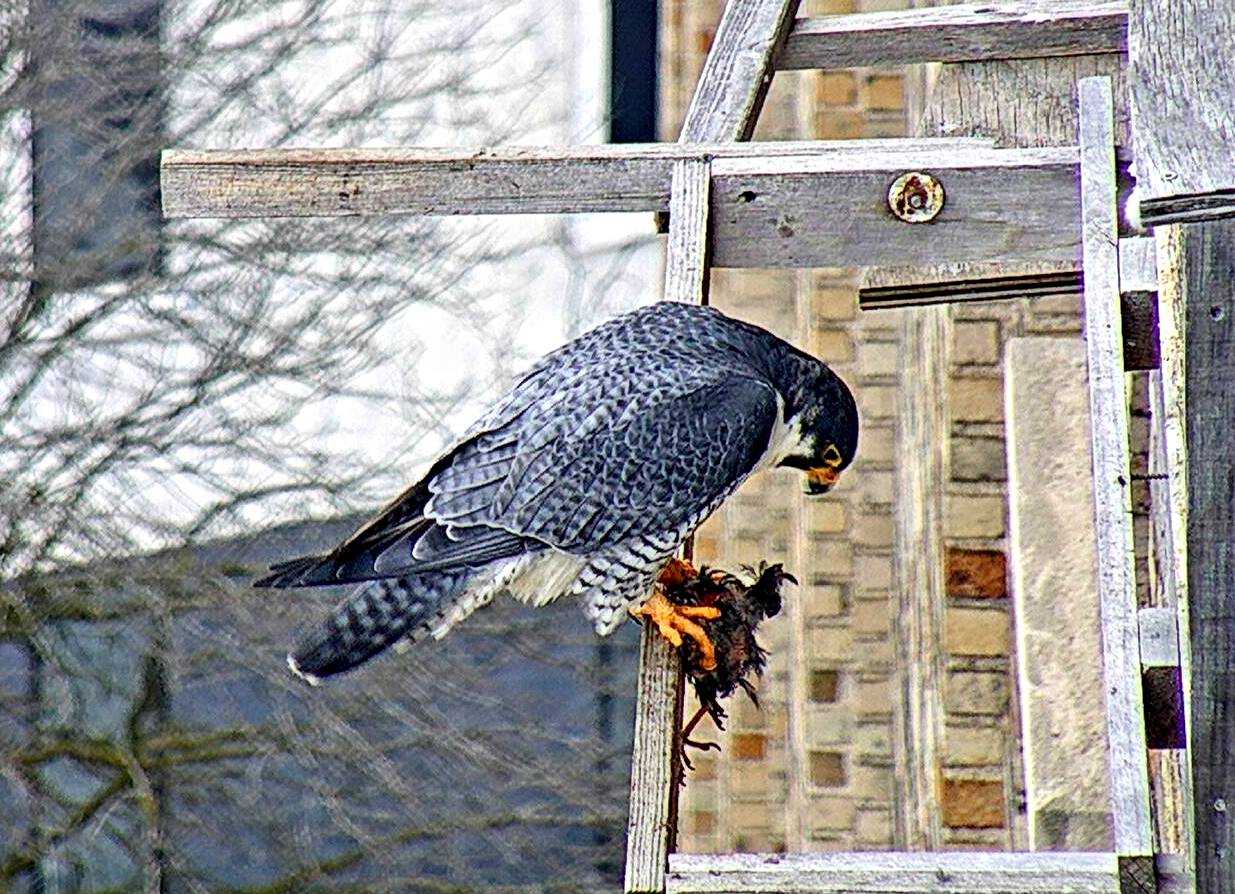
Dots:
pixel 916 197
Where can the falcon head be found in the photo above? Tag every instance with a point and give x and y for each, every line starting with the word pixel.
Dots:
pixel 822 419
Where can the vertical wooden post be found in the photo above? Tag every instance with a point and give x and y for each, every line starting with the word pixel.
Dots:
pixel 1112 479
pixel 1200 269
pixel 724 108
pixel 655 773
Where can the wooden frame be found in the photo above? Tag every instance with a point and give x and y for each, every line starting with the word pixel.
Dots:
pixel 782 205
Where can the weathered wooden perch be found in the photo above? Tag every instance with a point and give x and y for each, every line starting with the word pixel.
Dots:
pixel 986 31
pixel 814 207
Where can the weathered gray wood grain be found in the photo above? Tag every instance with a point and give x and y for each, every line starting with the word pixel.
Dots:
pixel 1206 269
pixel 738 70
pixel 918 621
pixel 1182 80
pixel 1002 205
pixel 1158 630
pixel 972 31
pixel 771 210
pixel 895 873
pixel 505 180
pixel 1112 478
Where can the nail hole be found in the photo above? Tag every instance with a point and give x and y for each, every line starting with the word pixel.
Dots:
pixel 747 195
pixel 1216 312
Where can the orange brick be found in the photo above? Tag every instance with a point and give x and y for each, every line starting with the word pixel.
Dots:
pixel 836 88
pixel 885 92
pixel 972 803
pixel 750 747
pixel 702 822
pixel 835 124
pixel 976 573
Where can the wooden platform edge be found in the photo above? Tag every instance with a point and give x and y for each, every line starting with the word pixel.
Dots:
pixel 895 873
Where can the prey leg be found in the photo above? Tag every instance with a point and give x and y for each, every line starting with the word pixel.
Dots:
pixel 675 620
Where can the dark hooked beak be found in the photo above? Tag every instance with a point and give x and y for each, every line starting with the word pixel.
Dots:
pixel 820 480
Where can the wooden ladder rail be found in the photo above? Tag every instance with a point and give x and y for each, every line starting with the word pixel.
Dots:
pixel 724 108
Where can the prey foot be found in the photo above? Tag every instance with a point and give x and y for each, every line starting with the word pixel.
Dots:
pixel 675 620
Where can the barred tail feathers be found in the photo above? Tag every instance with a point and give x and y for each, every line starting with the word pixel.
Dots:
pixel 374 616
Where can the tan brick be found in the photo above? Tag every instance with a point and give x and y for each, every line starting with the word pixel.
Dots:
pixel 748 816
pixel 757 841
pixel 829 724
pixel 831 345
pixel 833 558
pixel 872 697
pixel 836 88
pixel 870 618
pixel 875 486
pixel 976 342
pixel 976 400
pixel 873 528
pixel 976 692
pixel 1064 304
pixel 826 600
pixel 827 7
pixel 877 402
pixel 871 783
pixel 705 769
pixel 978 459
pixel 975 803
pixel 973 746
pixel 872 572
pixel 832 303
pixel 751 782
pixel 876 444
pixel 967 515
pixel 830 813
pixel 827 769
pixel 976 631
pixel 835 644
pixel 826 516
pixel 874 828
pixel 974 573
pixel 878 358
pixel 840 124
pixel 873 741
pixel 885 91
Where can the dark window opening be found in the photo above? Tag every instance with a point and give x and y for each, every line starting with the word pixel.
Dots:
pixel 97 107
pixel 632 71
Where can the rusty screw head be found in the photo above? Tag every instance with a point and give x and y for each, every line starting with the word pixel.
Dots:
pixel 915 197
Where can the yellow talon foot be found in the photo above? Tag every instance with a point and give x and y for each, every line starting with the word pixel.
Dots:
pixel 674 620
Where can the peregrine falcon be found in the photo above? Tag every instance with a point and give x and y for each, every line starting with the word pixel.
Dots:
pixel 583 480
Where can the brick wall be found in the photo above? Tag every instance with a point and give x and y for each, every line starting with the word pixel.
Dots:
pixel 814 769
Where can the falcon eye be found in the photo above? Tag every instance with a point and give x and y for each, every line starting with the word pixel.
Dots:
pixel 831 456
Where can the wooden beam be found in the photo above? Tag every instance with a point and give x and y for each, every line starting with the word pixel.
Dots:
pixel 895 873
pixel 1183 120
pixel 464 180
pixel 1001 204
pixel 965 32
pixel 1112 478
pixel 738 71
pixel 1201 266
pixel 772 210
